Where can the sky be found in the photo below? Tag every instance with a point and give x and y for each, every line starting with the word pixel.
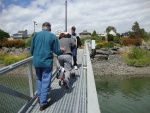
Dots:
pixel 87 15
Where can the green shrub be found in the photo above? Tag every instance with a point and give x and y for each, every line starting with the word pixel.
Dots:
pixel 103 38
pixel 117 39
pixel 105 45
pixel 137 57
pixel 28 42
pixel 98 46
pixel 9 59
pixel 109 45
pixel 2 56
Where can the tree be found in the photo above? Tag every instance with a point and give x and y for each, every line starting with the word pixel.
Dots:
pixel 136 27
pixel 137 32
pixel 94 33
pixel 3 35
pixel 109 28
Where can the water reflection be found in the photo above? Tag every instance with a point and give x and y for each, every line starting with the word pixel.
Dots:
pixel 130 95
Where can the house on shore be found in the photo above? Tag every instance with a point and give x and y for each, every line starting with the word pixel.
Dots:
pixel 104 33
pixel 85 33
pixel 112 33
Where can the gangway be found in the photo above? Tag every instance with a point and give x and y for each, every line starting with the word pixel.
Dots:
pixel 18 88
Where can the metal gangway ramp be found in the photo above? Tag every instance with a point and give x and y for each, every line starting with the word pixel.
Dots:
pixel 81 97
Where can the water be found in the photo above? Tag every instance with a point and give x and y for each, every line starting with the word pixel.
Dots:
pixel 12 104
pixel 126 95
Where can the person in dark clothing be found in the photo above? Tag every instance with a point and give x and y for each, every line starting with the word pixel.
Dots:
pixel 78 44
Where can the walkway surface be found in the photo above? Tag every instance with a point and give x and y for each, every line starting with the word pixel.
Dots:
pixel 63 100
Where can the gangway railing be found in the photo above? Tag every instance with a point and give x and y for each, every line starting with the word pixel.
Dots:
pixel 92 99
pixel 17 85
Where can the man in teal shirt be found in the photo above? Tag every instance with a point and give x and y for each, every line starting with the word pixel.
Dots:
pixel 44 43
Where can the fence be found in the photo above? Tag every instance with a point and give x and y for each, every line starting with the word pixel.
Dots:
pixel 17 85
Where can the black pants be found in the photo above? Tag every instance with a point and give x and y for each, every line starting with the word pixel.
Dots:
pixel 75 60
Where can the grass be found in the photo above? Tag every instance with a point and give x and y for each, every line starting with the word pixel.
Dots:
pixel 136 57
pixel 2 56
pixel 146 43
pixel 7 59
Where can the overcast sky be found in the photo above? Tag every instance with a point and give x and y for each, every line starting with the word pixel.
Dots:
pixel 84 14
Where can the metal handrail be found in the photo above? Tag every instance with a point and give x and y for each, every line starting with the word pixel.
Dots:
pixel 14 66
pixel 12 92
pixel 92 99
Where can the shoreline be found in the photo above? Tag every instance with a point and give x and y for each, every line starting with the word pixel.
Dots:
pixel 116 67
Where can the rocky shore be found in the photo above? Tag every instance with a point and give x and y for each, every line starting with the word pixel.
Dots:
pixel 114 66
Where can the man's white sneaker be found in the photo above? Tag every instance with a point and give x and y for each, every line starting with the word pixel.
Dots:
pixel 75 67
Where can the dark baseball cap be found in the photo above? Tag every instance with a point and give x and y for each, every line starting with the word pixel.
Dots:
pixel 46 24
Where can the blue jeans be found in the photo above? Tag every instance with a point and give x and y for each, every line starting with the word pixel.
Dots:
pixel 74 54
pixel 74 51
pixel 43 83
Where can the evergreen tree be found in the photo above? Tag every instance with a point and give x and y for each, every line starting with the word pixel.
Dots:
pixel 137 32
pixel 94 33
pixel 3 35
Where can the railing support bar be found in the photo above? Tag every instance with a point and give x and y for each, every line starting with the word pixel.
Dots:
pixel 30 76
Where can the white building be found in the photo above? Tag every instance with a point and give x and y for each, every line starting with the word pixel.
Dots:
pixel 112 33
pixel 20 35
pixel 85 33
pixel 103 34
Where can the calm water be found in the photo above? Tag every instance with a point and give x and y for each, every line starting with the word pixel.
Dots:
pixel 11 104
pixel 127 95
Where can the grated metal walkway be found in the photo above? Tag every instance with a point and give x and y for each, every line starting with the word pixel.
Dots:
pixel 71 100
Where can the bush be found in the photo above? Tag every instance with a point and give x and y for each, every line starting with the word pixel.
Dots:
pixel 9 59
pixel 137 57
pixel 117 39
pixel 131 41
pixel 2 56
pixel 13 43
pixel 28 42
pixel 105 45
pixel 100 45
pixel 109 45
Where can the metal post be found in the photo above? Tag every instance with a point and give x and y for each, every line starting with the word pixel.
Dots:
pixel 30 77
pixel 66 16
pixel 34 26
pixel 85 54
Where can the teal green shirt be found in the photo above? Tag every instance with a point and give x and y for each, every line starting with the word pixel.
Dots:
pixel 43 44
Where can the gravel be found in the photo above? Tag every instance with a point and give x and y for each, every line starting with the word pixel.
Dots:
pixel 114 66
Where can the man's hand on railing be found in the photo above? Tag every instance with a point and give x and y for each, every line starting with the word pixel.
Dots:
pixel 64 49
